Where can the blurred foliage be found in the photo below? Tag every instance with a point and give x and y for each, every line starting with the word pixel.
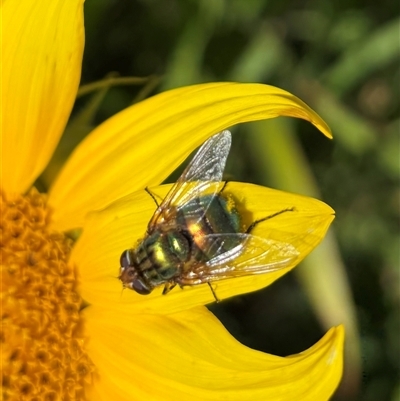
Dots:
pixel 342 58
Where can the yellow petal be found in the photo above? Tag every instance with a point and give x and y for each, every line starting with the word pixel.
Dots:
pixel 190 355
pixel 42 46
pixel 143 144
pixel 108 233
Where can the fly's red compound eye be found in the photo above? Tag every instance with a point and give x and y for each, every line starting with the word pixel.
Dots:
pixel 125 259
pixel 140 286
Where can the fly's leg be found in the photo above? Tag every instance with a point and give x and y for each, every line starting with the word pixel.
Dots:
pixel 213 292
pixel 169 285
pixel 223 187
pixel 251 227
pixel 152 196
pixel 182 281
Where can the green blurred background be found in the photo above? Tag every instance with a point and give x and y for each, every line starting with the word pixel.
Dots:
pixel 342 58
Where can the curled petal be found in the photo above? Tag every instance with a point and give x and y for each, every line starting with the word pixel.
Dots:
pixel 143 144
pixel 133 357
pixel 109 232
pixel 42 47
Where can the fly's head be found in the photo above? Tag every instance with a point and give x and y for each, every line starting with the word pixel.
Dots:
pixel 130 274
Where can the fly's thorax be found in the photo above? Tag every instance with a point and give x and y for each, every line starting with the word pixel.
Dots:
pixel 156 260
pixel 161 254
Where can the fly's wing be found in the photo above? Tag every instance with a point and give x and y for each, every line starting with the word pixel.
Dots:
pixel 202 174
pixel 251 255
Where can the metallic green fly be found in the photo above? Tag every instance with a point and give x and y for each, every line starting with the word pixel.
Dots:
pixel 196 234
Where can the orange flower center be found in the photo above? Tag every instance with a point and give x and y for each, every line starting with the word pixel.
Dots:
pixel 42 338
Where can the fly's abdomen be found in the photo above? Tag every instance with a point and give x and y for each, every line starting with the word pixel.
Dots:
pixel 203 217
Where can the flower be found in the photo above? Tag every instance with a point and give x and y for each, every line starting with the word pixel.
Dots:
pixel 67 331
